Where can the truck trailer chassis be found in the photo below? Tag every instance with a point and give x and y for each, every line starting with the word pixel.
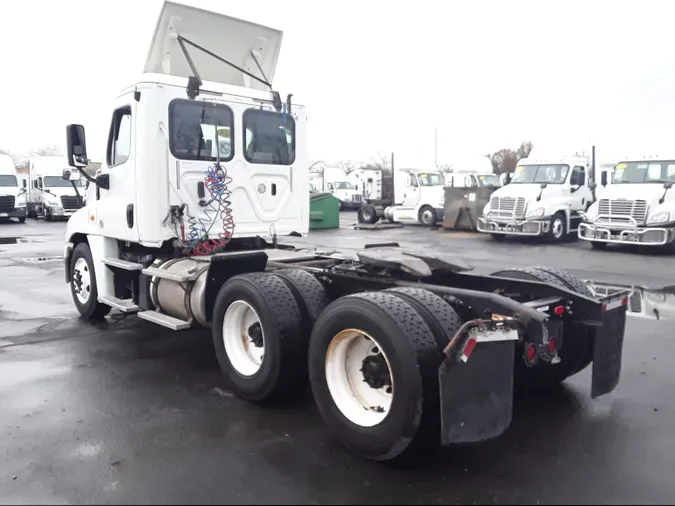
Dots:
pixel 450 343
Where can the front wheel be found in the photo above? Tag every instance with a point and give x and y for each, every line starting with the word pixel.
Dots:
pixel 368 214
pixel 499 237
pixel 83 284
pixel 427 216
pixel 598 245
pixel 557 230
pixel 22 219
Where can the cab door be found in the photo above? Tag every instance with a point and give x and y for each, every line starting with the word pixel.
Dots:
pixel 116 206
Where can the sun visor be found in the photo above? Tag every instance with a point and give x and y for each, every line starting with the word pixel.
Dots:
pixel 232 39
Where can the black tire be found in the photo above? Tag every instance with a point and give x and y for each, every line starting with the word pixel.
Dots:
pixel 499 237
pixel 598 245
pixel 577 285
pixel 92 309
pixel 47 214
pixel 283 371
pixel 411 428
pixel 309 293
pixel 557 235
pixel 22 220
pixel 574 351
pixel 427 216
pixel 441 318
pixel 340 205
pixel 368 214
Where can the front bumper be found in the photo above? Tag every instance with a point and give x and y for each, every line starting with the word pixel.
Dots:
pixel 511 226
pixel 17 212
pixel 648 236
pixel 60 212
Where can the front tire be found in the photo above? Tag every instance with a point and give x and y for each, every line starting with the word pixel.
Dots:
pixel 83 286
pixel 373 364
pixel 368 214
pixel 22 219
pixel 427 216
pixel 259 339
pixel 499 237
pixel 598 245
pixel 557 230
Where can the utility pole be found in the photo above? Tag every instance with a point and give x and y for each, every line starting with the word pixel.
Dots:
pixel 436 146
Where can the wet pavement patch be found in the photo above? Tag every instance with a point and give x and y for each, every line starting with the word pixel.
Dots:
pixel 38 260
pixel 18 240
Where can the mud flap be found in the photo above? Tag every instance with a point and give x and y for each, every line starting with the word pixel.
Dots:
pixel 477 396
pixel 608 348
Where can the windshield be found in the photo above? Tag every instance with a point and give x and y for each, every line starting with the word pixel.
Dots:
pixel 430 179
pixel 644 172
pixel 489 181
pixel 550 174
pixel 59 182
pixel 344 186
pixel 8 181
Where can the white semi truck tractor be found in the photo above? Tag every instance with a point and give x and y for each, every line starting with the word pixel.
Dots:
pixel 404 350
pixel 636 205
pixel 12 192
pixel 545 197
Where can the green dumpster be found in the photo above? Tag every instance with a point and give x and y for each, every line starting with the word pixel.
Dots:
pixel 324 211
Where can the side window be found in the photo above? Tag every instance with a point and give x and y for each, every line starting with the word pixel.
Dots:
pixel 39 182
pixel 201 130
pixel 119 140
pixel 269 137
pixel 330 187
pixel 578 177
pixel 413 181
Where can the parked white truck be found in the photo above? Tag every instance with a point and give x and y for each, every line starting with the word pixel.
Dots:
pixel 12 193
pixel 638 207
pixel 403 349
pixel 418 197
pixel 544 198
pixel 50 196
pixel 347 193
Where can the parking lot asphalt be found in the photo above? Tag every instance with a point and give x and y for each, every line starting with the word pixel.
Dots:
pixel 127 412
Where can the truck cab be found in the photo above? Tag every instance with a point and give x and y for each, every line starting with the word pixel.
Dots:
pixel 544 198
pixel 636 205
pixel 12 193
pixel 347 193
pixel 485 180
pixel 52 197
pixel 418 196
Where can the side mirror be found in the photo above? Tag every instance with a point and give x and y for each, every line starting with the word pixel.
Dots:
pixel 66 174
pixel 76 146
pixel 24 184
pixel 603 179
pixel 668 185
pixel 507 179
pixel 71 175
pixel 543 186
pixel 592 185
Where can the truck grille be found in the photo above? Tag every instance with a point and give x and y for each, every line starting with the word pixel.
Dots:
pixel 621 211
pixel 507 207
pixel 356 197
pixel 6 203
pixel 70 203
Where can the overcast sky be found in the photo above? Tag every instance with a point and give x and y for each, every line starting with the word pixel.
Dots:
pixel 375 75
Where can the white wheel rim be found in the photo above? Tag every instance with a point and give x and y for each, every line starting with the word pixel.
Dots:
pixel 244 338
pixel 81 280
pixel 557 228
pixel 361 403
pixel 427 216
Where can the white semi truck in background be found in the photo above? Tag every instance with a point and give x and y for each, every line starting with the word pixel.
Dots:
pixel 636 205
pixel 418 196
pixel 545 197
pixel 12 193
pixel 472 172
pixel 50 196
pixel 404 350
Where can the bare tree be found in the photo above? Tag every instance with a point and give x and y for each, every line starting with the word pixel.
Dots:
pixel 51 150
pixel 505 160
pixel 524 150
pixel 346 166
pixel 381 161
pixel 315 166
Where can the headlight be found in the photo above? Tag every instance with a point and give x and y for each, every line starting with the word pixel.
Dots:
pixel 536 213
pixel 486 209
pixel 662 217
pixel 21 200
pixel 52 200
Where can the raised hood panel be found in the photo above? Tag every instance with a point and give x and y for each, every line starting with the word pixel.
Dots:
pixel 230 38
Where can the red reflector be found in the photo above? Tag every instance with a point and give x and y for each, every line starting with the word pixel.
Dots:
pixel 624 302
pixel 531 352
pixel 559 310
pixel 468 348
pixel 552 346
